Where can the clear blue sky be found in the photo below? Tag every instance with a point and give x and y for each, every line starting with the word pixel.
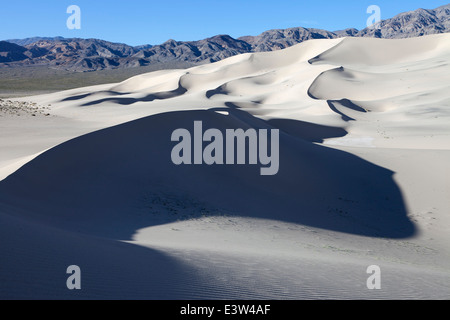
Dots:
pixel 152 22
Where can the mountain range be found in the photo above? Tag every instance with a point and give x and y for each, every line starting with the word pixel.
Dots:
pixel 93 54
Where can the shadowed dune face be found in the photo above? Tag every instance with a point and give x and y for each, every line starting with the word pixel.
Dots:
pixel 128 101
pixel 306 130
pixel 115 181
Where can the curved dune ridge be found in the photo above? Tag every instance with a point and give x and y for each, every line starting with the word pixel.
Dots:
pixel 364 152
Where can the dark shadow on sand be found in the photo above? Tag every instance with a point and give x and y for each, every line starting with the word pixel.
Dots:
pixel 86 95
pixel 344 103
pixel 115 181
pixel 38 257
pixel 129 101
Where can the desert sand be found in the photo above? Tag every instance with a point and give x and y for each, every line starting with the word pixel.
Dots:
pixel 363 180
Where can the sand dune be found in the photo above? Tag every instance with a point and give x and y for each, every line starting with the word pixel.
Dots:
pixel 364 156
